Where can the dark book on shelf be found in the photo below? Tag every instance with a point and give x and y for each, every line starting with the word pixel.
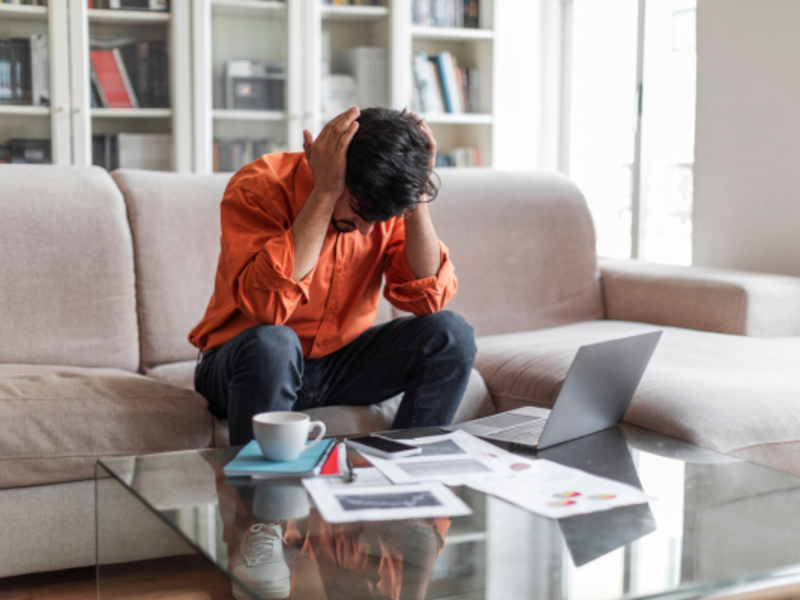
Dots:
pixel 155 5
pixel 105 151
pixel 446 13
pixel 37 152
pixel 15 71
pixel 6 93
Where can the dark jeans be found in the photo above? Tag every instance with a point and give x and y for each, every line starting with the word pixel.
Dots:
pixel 262 369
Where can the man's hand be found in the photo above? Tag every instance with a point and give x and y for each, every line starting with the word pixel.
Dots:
pixel 327 156
pixel 426 131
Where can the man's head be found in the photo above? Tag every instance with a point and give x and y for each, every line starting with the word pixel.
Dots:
pixel 388 164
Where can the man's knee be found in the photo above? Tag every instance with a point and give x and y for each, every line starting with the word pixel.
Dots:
pixel 271 347
pixel 458 335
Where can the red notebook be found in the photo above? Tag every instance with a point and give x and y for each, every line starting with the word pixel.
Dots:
pixel 331 466
pixel 112 85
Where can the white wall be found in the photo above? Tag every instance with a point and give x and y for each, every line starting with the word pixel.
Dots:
pixel 527 99
pixel 747 157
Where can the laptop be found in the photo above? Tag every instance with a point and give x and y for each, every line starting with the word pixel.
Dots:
pixel 596 393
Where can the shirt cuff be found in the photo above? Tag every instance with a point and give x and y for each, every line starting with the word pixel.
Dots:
pixel 279 265
pixel 405 287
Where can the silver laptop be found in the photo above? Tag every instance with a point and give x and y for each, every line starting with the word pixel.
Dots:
pixel 596 393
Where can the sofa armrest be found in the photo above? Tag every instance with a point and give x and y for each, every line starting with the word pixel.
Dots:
pixel 715 300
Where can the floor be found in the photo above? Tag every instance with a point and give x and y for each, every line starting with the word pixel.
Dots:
pixel 178 578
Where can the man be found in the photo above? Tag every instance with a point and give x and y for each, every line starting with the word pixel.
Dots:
pixel 306 238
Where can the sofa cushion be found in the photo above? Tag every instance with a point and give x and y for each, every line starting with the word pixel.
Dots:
pixel 67 291
pixel 731 394
pixel 523 247
pixel 55 422
pixel 176 232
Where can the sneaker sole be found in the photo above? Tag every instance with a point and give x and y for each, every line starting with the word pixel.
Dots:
pixel 278 589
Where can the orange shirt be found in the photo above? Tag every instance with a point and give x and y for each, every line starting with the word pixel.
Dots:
pixel 337 301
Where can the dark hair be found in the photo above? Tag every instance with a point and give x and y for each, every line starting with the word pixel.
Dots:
pixel 388 164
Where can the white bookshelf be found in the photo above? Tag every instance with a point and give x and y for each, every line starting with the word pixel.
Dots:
pixel 202 35
pixel 41 122
pixel 171 27
pixel 258 30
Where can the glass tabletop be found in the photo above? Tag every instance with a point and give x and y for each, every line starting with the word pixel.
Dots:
pixel 711 522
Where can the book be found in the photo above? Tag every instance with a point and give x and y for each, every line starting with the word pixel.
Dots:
pixel 37 152
pixel 105 151
pixel 40 71
pixel 446 13
pixel 110 84
pixel 250 461
pixel 6 93
pixel 155 5
pixel 368 66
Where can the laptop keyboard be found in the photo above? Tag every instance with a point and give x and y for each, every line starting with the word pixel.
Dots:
pixel 528 433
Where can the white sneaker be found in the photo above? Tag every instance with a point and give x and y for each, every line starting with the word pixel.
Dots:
pixel 259 563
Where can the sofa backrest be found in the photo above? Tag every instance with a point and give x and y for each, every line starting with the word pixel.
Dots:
pixel 176 236
pixel 523 246
pixel 67 294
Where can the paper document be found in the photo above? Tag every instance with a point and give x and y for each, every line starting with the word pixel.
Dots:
pixel 555 491
pixel 348 503
pixel 452 459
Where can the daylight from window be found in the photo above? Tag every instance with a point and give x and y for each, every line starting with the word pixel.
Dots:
pixel 603 118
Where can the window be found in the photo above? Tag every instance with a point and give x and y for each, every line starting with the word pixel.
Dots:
pixel 631 133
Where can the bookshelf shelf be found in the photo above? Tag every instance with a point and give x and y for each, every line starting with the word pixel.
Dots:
pixel 459 118
pixel 248 115
pixel 23 12
pixel 354 13
pixel 128 17
pixel 249 8
pixel 131 113
pixel 25 111
pixel 450 33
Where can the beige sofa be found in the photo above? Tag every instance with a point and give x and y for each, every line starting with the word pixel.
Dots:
pixel 104 275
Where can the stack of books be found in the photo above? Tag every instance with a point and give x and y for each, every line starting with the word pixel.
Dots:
pixel 460 157
pixel 159 5
pixel 442 87
pixel 232 155
pixel 354 2
pixel 130 75
pixel 446 13
pixel 25 71
pixel 151 151
pixel 30 151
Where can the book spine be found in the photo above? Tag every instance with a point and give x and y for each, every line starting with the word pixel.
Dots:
pixel 126 80
pixel 102 101
pixel 109 78
pixel 40 70
pixel 6 93
pixel 442 69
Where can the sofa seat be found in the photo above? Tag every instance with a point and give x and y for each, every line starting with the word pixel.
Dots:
pixel 55 422
pixel 731 394
pixel 339 420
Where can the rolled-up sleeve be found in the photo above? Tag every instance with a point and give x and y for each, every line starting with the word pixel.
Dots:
pixel 258 248
pixel 417 296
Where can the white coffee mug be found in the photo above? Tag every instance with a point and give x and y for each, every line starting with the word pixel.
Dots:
pixel 282 436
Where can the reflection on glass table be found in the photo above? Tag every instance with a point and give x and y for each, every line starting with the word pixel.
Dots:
pixel 712 521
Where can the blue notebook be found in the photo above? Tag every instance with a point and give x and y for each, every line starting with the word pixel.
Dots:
pixel 250 461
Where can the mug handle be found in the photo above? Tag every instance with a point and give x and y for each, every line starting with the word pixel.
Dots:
pixel 321 433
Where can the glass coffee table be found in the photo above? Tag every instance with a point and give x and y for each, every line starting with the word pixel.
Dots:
pixel 712 522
